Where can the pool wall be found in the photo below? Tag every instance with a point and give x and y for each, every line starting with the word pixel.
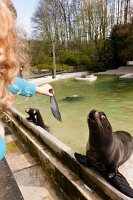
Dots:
pixel 57 159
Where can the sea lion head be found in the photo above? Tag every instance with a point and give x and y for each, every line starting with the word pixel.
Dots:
pixel 36 118
pixel 99 124
pixel 31 111
pixel 33 114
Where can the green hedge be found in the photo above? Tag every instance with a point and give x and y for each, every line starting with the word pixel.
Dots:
pixel 70 58
pixel 75 59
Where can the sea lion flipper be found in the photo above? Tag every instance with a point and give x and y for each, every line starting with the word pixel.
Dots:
pixel 81 159
pixel 119 182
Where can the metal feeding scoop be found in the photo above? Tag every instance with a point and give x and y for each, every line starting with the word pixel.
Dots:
pixel 54 107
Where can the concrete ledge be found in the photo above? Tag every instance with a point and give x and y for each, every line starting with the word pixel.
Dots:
pixel 58 160
pixel 8 186
pixel 127 76
pixel 43 80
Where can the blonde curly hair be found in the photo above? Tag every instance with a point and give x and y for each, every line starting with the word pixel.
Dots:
pixel 9 66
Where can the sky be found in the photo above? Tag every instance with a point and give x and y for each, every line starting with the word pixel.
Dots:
pixel 25 10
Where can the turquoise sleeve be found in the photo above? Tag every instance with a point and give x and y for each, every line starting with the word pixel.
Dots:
pixel 2 148
pixel 22 87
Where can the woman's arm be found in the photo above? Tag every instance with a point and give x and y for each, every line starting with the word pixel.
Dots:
pixel 22 87
pixel 2 143
pixel 25 88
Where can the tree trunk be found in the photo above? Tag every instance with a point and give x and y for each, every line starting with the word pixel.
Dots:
pixel 126 11
pixel 54 63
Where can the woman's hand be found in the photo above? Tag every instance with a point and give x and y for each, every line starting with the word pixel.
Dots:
pixel 2 132
pixel 45 89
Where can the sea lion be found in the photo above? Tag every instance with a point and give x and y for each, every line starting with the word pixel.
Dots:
pixel 35 117
pixel 72 98
pixel 107 150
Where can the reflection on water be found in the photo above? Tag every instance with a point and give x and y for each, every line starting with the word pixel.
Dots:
pixel 108 94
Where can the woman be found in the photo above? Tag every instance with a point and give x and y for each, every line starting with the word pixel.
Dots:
pixel 9 67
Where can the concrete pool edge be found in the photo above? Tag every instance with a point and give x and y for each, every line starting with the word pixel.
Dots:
pixel 53 154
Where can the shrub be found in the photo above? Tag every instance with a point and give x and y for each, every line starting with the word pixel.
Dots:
pixel 70 58
pixel 84 60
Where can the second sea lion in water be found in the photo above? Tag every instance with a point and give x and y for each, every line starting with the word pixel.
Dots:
pixel 107 150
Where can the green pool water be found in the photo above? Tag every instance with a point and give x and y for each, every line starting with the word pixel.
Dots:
pixel 110 94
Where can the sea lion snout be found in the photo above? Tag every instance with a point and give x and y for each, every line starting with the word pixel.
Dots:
pixel 27 110
pixel 92 115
